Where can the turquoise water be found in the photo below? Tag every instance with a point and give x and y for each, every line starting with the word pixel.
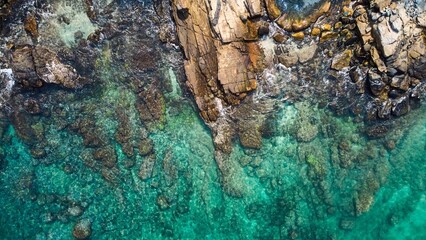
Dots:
pixel 94 156
pixel 341 185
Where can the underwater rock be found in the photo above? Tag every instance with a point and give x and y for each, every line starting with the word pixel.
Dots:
pixel 107 156
pixel 145 147
pixel 306 132
pixel 147 166
pixel 92 137
pixel 377 86
pixel 377 131
pixel 75 211
pixel 251 138
pixel 151 105
pixel 82 229
pixel 32 106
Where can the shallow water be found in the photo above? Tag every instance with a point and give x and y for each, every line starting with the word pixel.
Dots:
pixel 305 190
pixel 338 184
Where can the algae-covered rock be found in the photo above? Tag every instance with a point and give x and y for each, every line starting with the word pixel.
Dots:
pixel 342 60
pixel 82 229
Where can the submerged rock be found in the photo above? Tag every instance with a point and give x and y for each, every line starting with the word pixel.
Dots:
pixel 82 229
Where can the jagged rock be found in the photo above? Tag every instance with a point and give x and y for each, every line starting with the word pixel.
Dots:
pixel 232 69
pixel 401 81
pixel 24 68
pixel 51 70
pixel 401 106
pixel 376 84
pixel 377 60
pixel 30 66
pixel 421 20
pixel 211 24
pixel 388 34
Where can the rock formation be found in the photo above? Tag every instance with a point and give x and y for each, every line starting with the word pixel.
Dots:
pixel 231 46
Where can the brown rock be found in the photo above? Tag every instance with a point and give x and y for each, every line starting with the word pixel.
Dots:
pixel 273 11
pixel 377 60
pixel 298 35
pixel 82 229
pixel 326 27
pixel 51 70
pixel 251 138
pixel 326 36
pixel 342 60
pixel 30 25
pixel 315 31
pixel 279 37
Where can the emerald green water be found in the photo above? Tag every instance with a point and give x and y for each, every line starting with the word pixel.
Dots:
pixel 290 189
pixel 338 185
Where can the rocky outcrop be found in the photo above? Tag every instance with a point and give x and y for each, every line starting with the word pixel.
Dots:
pixel 34 66
pixel 220 66
pixel 235 49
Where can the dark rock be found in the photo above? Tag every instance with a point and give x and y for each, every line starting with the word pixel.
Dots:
pixel 377 131
pixel 401 106
pixel 24 68
pixel 384 110
pixel 32 106
pixel 377 86
pixel 107 156
pixel 396 93
pixel 151 105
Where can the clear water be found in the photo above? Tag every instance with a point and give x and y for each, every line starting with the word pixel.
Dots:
pixel 341 185
pixel 299 6
pixel 291 189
